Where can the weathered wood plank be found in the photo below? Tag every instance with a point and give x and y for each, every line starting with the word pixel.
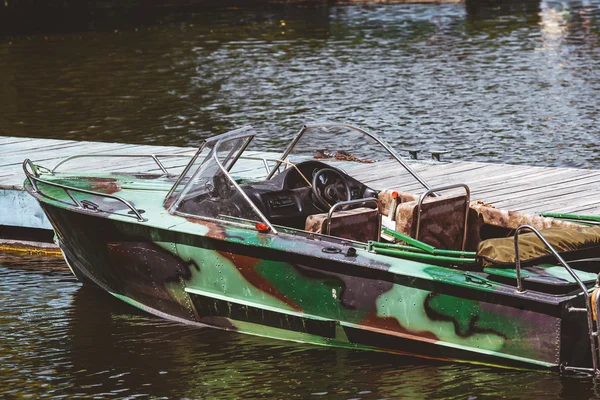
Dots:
pixel 522 182
pixel 8 140
pixel 566 202
pixel 55 153
pixel 516 187
pixel 545 190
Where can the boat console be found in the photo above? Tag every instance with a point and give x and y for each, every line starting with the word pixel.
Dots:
pixel 308 188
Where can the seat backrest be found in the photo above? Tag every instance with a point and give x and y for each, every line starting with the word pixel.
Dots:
pixel 442 221
pixel 512 219
pixel 487 222
pixel 359 224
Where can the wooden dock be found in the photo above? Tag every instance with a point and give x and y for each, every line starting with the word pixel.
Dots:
pixel 513 187
pixel 24 210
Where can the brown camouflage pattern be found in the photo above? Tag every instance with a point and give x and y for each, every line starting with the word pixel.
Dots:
pixel 442 221
pixel 512 219
pixel 385 198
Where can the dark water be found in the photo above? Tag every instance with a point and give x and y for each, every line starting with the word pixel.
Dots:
pixel 61 340
pixel 494 83
pixel 491 83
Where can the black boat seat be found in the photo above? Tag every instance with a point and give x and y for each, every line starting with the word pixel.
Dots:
pixel 359 224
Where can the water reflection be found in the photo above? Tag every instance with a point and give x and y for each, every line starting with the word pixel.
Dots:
pixel 494 9
pixel 59 339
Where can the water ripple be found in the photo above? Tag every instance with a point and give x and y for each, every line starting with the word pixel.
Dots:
pixel 515 86
pixel 521 85
pixel 61 340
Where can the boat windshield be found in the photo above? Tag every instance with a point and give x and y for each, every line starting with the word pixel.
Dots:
pixel 345 147
pixel 209 187
pixel 206 189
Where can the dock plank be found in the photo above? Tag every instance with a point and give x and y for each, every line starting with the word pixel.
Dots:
pixel 8 140
pixel 515 187
pixel 57 152
pixel 543 190
pixel 48 152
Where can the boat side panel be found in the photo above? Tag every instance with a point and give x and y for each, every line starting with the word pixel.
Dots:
pixel 373 305
pixel 327 301
pixel 123 261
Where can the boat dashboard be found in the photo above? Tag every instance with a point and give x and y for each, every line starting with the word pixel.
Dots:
pixel 289 198
pixel 286 199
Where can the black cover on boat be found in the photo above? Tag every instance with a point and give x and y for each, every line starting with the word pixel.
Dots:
pixel 501 251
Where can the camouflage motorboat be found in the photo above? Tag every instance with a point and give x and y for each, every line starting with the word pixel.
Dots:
pixel 298 247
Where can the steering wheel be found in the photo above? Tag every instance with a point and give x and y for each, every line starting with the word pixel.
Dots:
pixel 329 187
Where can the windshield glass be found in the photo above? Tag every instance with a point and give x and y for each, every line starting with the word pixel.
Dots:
pixel 206 189
pixel 350 149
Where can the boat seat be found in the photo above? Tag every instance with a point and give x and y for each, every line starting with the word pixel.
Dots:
pixel 490 215
pixel 570 243
pixel 359 224
pixel 442 220
pixel 486 222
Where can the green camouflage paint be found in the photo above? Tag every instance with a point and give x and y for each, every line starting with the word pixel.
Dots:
pixel 283 286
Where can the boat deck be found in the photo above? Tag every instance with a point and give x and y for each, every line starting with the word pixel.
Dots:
pixel 513 187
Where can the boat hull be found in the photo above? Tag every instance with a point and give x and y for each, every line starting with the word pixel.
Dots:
pixel 268 292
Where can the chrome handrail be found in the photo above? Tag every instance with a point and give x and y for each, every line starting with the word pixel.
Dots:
pixel 387 147
pixel 597 300
pixel 592 334
pixel 352 202
pixel 264 160
pixel 34 168
pixel 237 134
pixel 240 190
pixel 440 189
pixel 154 157
pixel 34 180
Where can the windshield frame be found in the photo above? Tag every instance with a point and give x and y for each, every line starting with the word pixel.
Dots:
pixel 172 201
pixel 386 146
